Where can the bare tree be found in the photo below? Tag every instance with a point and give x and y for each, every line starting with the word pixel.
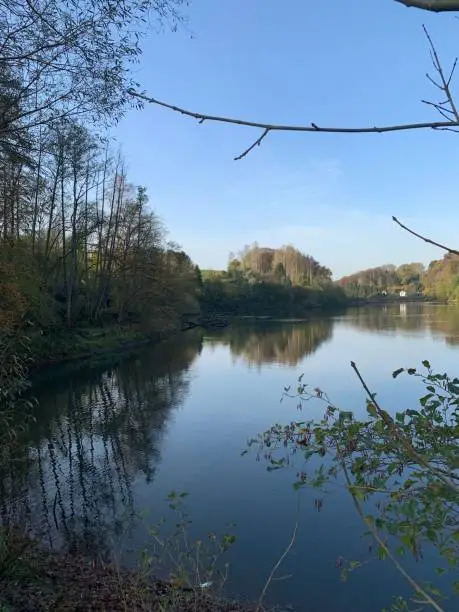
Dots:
pixel 68 59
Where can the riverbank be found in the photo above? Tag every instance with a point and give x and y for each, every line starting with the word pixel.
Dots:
pixel 64 346
pixel 393 299
pixel 35 579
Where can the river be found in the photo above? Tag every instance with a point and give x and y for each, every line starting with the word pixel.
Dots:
pixel 109 444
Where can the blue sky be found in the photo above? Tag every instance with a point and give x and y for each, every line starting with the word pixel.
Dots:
pixel 331 62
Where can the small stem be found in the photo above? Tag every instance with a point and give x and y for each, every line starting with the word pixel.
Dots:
pixel 383 545
pixel 388 420
pixel 281 558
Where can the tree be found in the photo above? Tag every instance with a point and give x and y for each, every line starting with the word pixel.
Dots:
pixel 67 59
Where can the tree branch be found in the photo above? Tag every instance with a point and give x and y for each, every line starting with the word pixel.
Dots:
pixel 272 127
pixel 451 114
pixel 395 431
pixel 437 244
pixel 427 599
pixel 445 81
pixel 436 6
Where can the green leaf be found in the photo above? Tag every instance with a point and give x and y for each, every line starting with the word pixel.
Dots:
pixel 354 564
pixel 426 364
pixel 411 371
pixel 371 409
pixel 381 553
pixel 397 372
pixel 423 400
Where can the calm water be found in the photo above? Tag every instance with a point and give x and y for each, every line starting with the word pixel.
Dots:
pixel 110 443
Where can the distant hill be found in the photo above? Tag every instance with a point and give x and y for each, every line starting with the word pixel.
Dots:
pixel 387 279
pixel 266 281
pixel 440 280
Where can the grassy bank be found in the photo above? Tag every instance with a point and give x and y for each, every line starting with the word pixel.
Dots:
pixel 33 578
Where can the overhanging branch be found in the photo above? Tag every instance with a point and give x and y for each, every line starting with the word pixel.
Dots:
pixel 436 6
pixel 424 238
pixel 272 127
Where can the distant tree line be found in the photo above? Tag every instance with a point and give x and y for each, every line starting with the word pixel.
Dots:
pixel 286 265
pixel 265 281
pixel 439 280
pixel 383 280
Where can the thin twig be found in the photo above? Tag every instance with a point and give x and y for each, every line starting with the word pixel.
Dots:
pixel 281 558
pixel 383 545
pixel 445 82
pixel 273 127
pixel 252 146
pixel 437 244
pixel 389 421
pixel 450 122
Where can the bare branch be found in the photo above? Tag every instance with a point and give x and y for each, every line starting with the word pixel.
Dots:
pixel 272 127
pixel 252 146
pixel 440 108
pixel 447 108
pixel 436 6
pixel 445 82
pixel 281 558
pixel 437 244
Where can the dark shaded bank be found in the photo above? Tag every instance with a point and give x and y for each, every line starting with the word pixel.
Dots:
pixel 393 299
pixel 34 579
pixel 62 346
pixel 100 344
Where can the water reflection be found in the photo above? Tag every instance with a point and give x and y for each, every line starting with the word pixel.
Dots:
pixel 71 479
pixel 258 343
pixel 416 318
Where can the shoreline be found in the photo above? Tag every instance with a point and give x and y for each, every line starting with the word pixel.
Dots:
pixel 34 578
pixel 64 347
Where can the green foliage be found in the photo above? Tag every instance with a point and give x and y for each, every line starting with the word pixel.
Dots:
pixel 384 280
pixel 79 245
pixel 442 278
pixel 192 564
pixel 285 265
pixel 15 409
pixel 276 282
pixel 401 471
pixel 245 298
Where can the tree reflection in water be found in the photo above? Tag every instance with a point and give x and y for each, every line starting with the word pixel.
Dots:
pixel 69 479
pixel 259 343
pixel 415 318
